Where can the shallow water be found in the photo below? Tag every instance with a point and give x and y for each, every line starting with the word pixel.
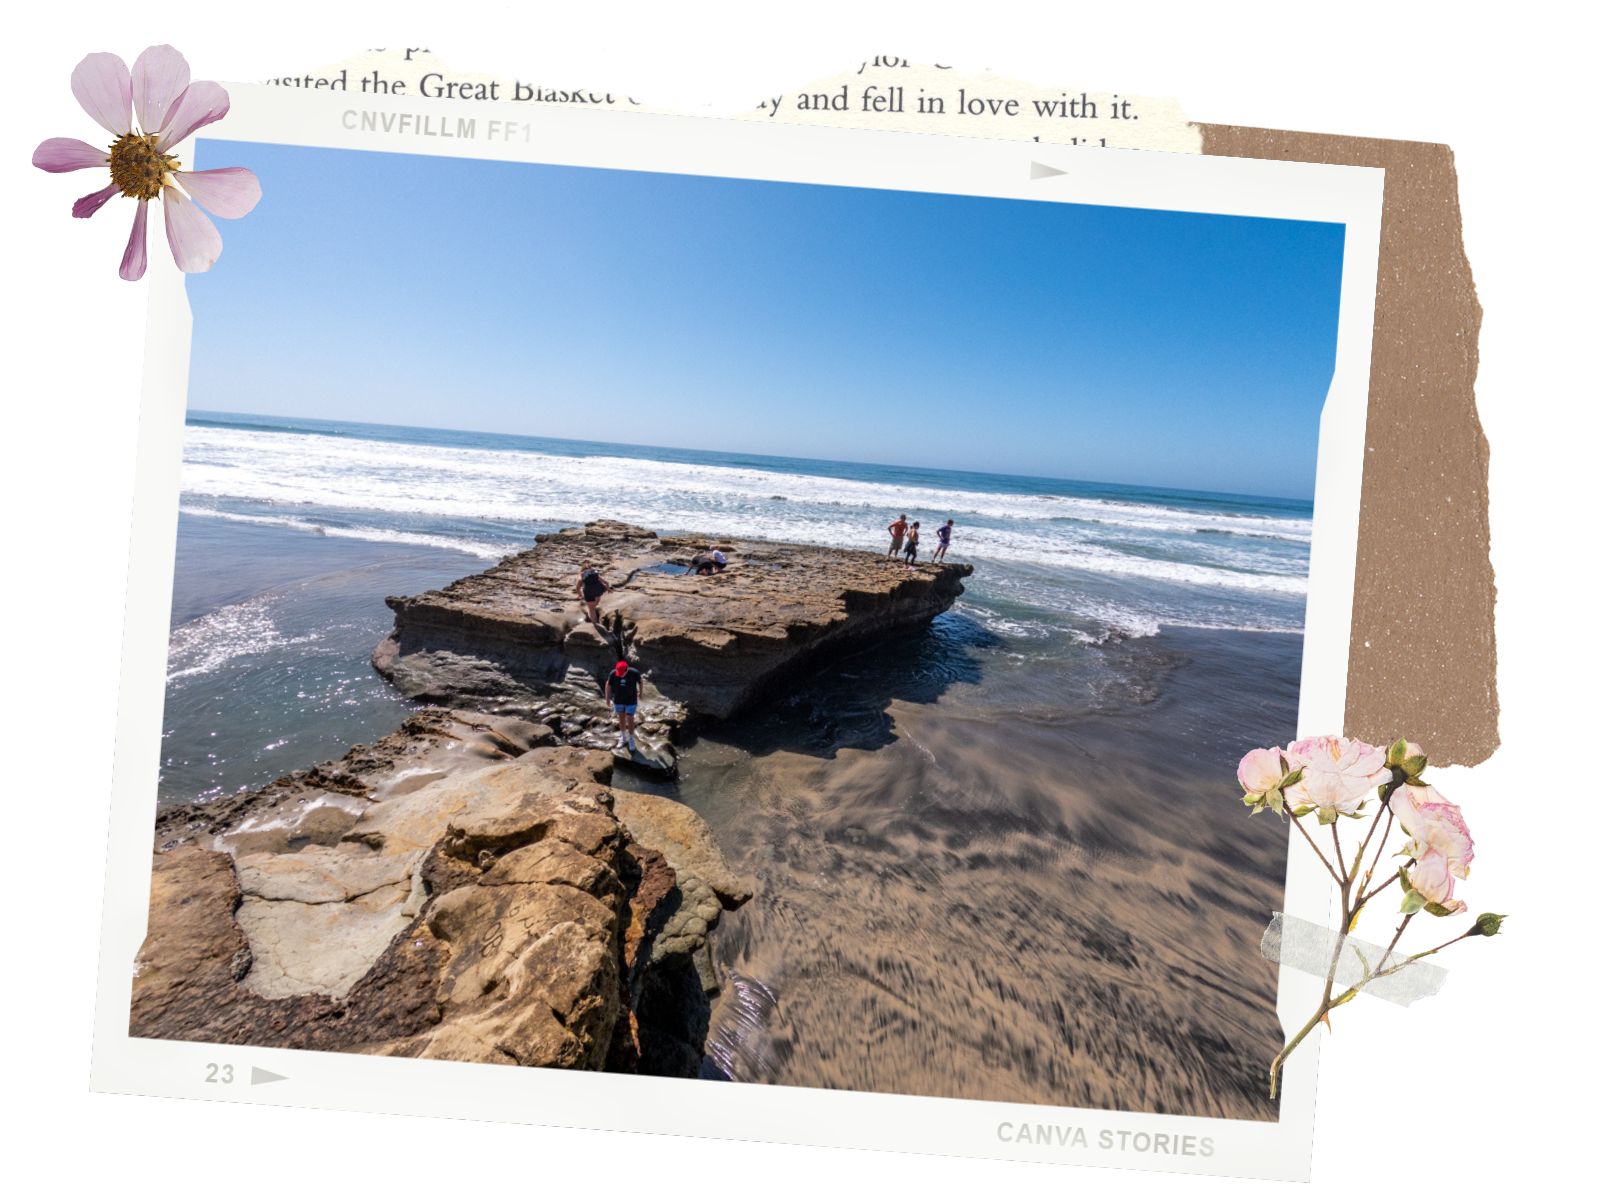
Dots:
pixel 1003 883
pixel 269 661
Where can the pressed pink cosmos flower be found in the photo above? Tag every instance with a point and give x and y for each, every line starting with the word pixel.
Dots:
pixel 169 108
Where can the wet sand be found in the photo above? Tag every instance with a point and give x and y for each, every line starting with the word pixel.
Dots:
pixel 1006 873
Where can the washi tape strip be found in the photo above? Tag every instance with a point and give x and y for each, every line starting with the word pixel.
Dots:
pixel 1309 947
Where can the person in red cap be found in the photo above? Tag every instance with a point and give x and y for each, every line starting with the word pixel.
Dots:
pixel 622 692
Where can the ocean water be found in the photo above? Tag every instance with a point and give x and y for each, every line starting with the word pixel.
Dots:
pixel 293 530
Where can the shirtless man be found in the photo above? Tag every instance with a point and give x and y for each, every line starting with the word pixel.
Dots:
pixel 897 533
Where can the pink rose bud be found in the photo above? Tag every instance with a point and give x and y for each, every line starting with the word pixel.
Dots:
pixel 1408 758
pixel 1261 770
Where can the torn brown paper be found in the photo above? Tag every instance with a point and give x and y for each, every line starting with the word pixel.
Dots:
pixel 1422 648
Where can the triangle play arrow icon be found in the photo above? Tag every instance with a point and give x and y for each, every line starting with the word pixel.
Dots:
pixel 257 1075
pixel 1038 170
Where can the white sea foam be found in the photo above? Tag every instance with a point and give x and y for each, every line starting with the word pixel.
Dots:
pixel 523 485
pixel 362 533
pixel 531 490
pixel 1008 626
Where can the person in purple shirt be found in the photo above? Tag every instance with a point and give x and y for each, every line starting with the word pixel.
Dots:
pixel 944 540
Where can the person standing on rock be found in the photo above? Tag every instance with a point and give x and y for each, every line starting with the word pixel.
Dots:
pixel 912 534
pixel 622 693
pixel 897 533
pixel 943 547
pixel 590 588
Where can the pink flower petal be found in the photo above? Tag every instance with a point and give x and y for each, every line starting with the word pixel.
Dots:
pixel 134 257
pixel 202 102
pixel 194 240
pixel 160 75
pixel 224 192
pixel 102 86
pixel 68 154
pixel 88 205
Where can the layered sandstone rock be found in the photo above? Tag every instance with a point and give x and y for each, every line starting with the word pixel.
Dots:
pixel 515 639
pixel 476 898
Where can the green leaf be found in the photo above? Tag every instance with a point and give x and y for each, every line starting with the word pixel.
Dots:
pixel 1301 810
pixel 1326 816
pixel 1412 904
pixel 1293 777
pixel 1438 910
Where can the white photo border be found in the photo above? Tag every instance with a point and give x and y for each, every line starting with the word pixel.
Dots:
pixel 1350 196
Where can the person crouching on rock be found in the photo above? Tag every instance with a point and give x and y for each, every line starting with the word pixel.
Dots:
pixel 590 588
pixel 897 535
pixel 710 561
pixel 944 531
pixel 622 693
pixel 912 535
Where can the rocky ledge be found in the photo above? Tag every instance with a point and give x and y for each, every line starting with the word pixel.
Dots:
pixel 462 889
pixel 477 885
pixel 515 639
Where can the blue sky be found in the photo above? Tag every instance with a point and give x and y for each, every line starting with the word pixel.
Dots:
pixel 1119 345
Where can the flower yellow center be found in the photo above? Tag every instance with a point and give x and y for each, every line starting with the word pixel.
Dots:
pixel 138 168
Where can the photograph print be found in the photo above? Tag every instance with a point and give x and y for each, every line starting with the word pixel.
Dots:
pixel 737 630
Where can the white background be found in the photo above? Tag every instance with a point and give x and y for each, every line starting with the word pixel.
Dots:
pixel 1483 1087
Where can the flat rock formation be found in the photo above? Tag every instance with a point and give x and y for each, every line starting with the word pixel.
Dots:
pixel 462 889
pixel 515 638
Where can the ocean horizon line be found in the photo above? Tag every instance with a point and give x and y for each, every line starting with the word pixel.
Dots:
pixel 337 427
